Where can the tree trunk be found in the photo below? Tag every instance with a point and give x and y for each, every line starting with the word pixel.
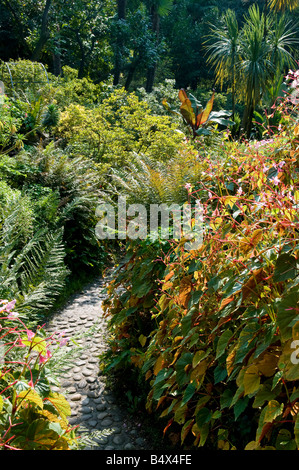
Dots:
pixel 247 120
pixel 82 60
pixel 44 34
pixel 131 72
pixel 121 14
pixel 57 69
pixel 151 71
pixel 265 18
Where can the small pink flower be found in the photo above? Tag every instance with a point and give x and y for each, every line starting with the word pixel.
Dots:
pixel 30 335
pixel 63 342
pixel 43 359
pixel 12 315
pixel 8 307
pixel 188 186
pixel 240 191
pixel 276 180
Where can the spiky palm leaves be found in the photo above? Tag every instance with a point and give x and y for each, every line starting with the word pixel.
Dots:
pixel 254 55
pixel 283 4
pixel 224 52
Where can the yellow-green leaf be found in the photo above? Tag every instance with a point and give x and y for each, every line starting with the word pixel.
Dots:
pixel 251 380
pixel 30 396
pixel 273 409
pixel 142 340
pixel 60 403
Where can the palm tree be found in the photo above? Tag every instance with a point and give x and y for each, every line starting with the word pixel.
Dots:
pixel 283 43
pixel 224 52
pixel 255 67
pixel 278 5
pixel 157 9
pixel 262 57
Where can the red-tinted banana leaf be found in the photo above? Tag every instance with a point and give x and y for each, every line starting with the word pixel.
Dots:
pixel 204 115
pixel 186 109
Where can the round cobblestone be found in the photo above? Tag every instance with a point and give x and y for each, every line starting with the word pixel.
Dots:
pixel 93 406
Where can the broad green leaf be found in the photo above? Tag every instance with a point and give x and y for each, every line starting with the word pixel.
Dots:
pixel 284 440
pixel 220 373
pixel 162 375
pixel 181 375
pixel 285 268
pixel 185 429
pixel 203 416
pixel 226 398
pixel 189 392
pixel 60 403
pixel 240 406
pixel 252 380
pixel 30 396
pixel 272 411
pixel 264 394
pixel 286 313
pixel 199 356
pixel 247 340
pixel 204 432
pixel 180 414
pixel 39 432
pixel 223 342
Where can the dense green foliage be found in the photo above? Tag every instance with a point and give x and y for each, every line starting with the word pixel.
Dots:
pixel 214 330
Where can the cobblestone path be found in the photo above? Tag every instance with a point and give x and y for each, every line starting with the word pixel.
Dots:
pixel 103 425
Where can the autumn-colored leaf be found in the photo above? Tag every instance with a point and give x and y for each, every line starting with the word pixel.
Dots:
pixel 254 280
pixel 184 291
pixel 225 302
pixel 167 426
pixel 203 117
pixel 159 365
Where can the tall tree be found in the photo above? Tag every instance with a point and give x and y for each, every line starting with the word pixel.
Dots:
pixel 121 16
pixel 224 52
pixel 157 9
pixel 44 32
pixel 262 57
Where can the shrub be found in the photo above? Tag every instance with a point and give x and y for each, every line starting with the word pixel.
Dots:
pixel 112 132
pixel 32 416
pixel 221 362
pixel 71 188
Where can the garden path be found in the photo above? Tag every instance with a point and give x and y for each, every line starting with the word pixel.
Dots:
pixel 103 424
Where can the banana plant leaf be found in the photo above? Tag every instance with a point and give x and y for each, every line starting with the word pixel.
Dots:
pixel 204 115
pixel 186 108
